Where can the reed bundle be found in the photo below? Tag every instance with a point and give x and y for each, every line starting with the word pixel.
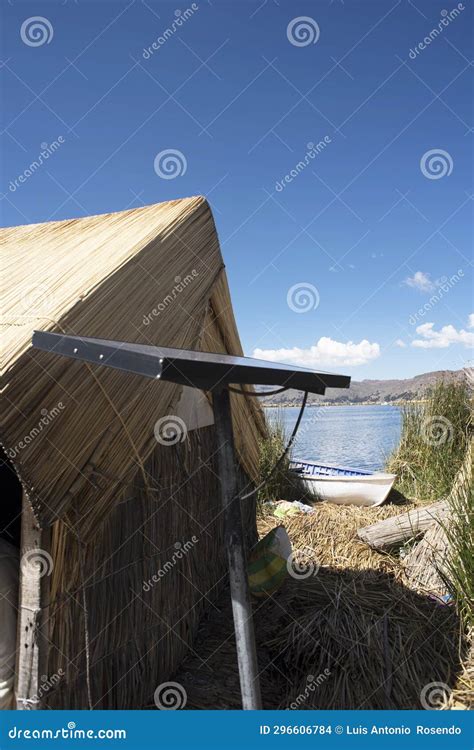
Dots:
pixel 140 628
pixel 433 442
pixel 462 696
pixel 329 534
pixel 353 635
pixel 119 503
pixel 380 642
pixel 152 275
pixel 360 638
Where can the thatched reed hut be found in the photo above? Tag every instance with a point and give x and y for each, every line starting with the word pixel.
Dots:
pixel 122 513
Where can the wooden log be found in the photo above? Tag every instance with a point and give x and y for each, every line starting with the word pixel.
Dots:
pixel 32 641
pixel 427 559
pixel 400 529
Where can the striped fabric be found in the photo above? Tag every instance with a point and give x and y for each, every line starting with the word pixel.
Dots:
pixel 267 567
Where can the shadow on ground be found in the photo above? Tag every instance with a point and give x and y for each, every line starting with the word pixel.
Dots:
pixel 334 640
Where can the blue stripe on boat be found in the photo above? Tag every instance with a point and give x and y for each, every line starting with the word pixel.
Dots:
pixel 312 468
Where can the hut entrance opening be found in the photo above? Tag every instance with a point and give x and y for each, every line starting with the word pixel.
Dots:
pixel 10 507
pixel 10 539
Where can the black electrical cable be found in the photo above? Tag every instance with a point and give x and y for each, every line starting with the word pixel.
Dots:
pixel 290 443
pixel 257 394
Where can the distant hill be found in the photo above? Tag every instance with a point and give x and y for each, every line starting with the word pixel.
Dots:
pixel 370 391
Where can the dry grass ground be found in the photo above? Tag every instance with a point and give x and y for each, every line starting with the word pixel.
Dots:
pixel 351 635
pixel 352 630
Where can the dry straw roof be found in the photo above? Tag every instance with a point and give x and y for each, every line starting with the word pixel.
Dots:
pixel 151 275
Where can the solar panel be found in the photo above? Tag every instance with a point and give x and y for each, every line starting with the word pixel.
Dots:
pixel 203 370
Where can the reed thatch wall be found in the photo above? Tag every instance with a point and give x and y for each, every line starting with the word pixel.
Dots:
pixel 151 276
pixel 117 501
pixel 139 630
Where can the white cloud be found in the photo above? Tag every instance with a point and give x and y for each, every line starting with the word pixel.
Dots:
pixel 420 281
pixel 400 343
pixel 325 352
pixel 470 323
pixel 447 335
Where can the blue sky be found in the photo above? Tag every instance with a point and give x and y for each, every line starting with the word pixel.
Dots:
pixel 336 253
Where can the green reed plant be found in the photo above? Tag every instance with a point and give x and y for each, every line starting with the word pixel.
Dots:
pixel 458 568
pixel 282 485
pixel 433 442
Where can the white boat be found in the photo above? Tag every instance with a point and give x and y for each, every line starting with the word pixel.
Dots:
pixel 343 485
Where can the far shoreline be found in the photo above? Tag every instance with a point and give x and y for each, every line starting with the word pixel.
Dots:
pixel 348 403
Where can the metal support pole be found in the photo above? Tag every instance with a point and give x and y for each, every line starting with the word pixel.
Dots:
pixel 234 542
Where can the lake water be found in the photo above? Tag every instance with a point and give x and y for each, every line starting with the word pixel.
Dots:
pixel 359 436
